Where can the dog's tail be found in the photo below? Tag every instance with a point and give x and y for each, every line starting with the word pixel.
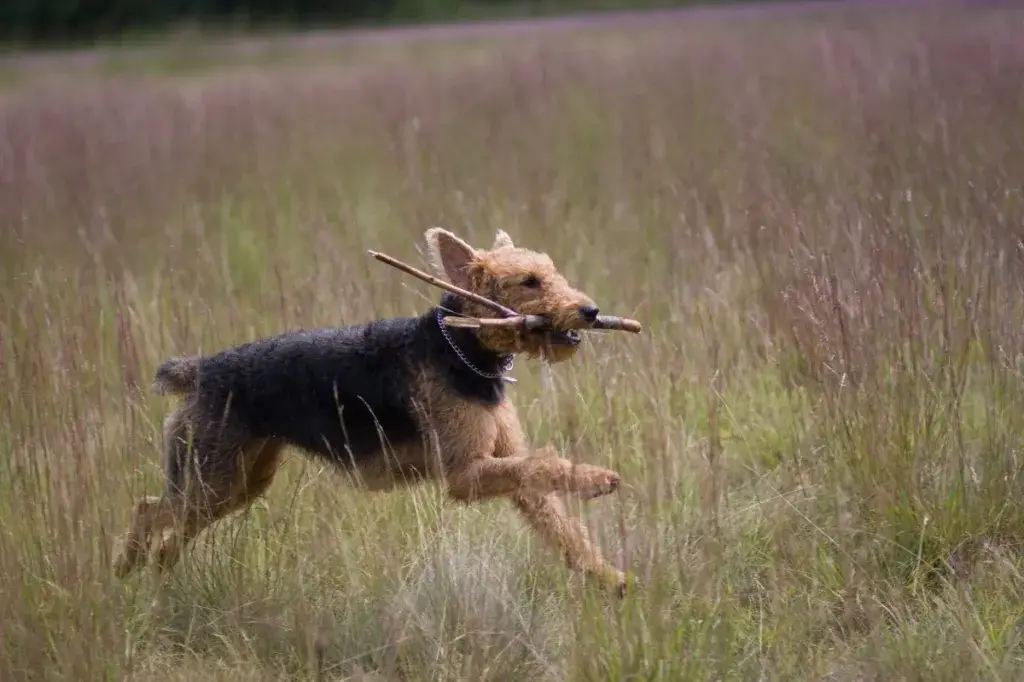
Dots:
pixel 177 375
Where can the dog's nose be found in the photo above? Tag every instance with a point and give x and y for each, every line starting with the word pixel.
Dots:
pixel 589 312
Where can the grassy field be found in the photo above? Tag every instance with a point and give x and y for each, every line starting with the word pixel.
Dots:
pixel 819 218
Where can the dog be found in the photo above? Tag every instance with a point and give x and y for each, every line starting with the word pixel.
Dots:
pixel 397 401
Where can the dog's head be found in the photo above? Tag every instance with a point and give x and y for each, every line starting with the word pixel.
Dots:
pixel 523 280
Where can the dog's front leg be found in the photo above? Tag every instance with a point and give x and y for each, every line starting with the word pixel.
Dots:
pixel 487 477
pixel 547 516
pixel 503 467
pixel 497 465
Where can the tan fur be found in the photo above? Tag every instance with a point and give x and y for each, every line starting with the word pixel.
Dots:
pixel 478 452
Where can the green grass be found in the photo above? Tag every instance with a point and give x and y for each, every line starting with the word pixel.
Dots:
pixel 817 219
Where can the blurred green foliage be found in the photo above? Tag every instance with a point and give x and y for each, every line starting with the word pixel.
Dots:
pixel 76 21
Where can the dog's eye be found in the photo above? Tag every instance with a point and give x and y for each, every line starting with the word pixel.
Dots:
pixel 531 282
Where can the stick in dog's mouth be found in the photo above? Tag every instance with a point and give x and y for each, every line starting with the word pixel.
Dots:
pixel 530 324
pixel 538 323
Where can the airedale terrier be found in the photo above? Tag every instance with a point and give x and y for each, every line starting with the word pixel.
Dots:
pixel 396 401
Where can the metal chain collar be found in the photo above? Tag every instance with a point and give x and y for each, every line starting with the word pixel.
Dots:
pixel 506 366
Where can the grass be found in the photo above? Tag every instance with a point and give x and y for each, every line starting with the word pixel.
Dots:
pixel 817 217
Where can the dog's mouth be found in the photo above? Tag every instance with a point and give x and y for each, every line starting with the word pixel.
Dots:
pixel 567 338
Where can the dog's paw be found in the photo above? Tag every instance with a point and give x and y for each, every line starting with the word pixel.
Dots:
pixel 127 560
pixel 627 583
pixel 122 567
pixel 616 581
pixel 599 482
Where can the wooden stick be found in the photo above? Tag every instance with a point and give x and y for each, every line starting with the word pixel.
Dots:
pixel 532 322
pixel 430 279
pixel 510 318
pixel 615 323
pixel 539 323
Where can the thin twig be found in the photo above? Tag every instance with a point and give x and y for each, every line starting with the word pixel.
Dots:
pixel 430 279
pixel 614 323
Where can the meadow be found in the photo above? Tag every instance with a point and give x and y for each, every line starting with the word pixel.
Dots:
pixel 818 217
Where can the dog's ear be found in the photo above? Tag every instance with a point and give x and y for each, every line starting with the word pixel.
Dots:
pixel 449 256
pixel 502 240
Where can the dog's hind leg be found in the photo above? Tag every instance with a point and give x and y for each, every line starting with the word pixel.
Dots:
pixel 211 468
pixel 204 513
pixel 233 483
pixel 150 516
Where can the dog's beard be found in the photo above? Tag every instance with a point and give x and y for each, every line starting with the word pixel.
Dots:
pixel 560 346
pixel 551 346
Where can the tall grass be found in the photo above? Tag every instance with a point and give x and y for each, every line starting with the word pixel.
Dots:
pixel 819 219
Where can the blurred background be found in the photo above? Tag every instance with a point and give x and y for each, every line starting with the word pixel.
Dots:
pixel 816 211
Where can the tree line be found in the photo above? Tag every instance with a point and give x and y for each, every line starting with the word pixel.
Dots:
pixel 56 21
